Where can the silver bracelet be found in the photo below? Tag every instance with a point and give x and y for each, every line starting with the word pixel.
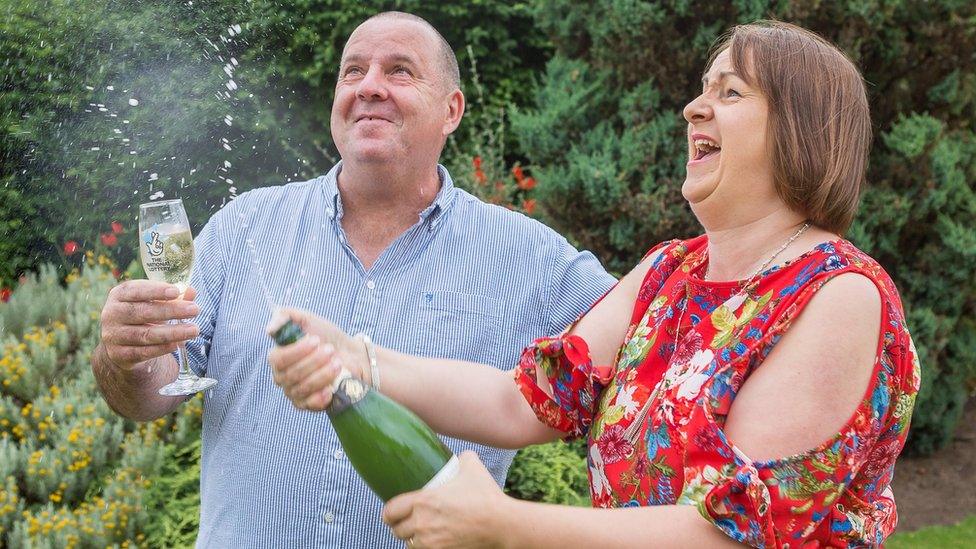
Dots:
pixel 374 369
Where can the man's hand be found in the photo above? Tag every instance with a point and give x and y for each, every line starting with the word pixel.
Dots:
pixel 134 319
pixel 306 369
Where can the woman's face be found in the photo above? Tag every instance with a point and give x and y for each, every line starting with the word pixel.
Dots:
pixel 729 168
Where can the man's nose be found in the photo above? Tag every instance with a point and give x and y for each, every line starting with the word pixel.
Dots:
pixel 373 85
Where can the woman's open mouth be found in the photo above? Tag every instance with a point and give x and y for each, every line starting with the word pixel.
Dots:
pixel 704 150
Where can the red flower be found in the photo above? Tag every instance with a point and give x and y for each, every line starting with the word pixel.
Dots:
pixel 5 294
pixel 529 206
pixel 477 163
pixel 517 172
pixel 71 247
pixel 116 227
pixel 109 239
pixel 527 184
pixel 480 176
pixel 116 273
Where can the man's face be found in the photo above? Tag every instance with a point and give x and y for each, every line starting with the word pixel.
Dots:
pixel 392 103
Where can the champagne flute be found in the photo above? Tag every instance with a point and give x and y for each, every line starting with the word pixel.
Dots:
pixel 166 251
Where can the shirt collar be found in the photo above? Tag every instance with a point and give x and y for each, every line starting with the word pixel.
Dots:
pixel 443 200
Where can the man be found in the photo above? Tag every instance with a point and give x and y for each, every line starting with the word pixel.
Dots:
pixel 383 244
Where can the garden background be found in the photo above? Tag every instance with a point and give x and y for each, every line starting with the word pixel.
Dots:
pixel 574 117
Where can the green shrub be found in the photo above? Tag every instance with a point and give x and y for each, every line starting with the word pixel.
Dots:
pixel 553 473
pixel 607 140
pixel 75 154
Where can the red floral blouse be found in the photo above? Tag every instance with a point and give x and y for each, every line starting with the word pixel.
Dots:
pixel 654 422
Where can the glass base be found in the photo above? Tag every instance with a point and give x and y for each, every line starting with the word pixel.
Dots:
pixel 187 386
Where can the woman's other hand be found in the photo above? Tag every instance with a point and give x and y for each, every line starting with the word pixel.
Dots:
pixel 467 511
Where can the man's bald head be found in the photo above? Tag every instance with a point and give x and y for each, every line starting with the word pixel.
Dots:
pixel 447 61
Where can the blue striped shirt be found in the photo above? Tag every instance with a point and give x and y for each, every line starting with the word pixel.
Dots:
pixel 468 281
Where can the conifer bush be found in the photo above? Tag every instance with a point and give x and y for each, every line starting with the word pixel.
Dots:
pixel 606 138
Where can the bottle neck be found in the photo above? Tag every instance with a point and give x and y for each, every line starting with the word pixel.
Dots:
pixel 346 391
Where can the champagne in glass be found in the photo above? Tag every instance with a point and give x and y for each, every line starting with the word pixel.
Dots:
pixel 166 251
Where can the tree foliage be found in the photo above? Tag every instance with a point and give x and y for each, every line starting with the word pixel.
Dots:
pixel 606 137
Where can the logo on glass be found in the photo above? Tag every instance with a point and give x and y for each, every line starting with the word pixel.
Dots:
pixel 153 244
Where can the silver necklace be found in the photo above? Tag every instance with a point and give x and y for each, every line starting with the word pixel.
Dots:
pixel 637 423
pixel 746 287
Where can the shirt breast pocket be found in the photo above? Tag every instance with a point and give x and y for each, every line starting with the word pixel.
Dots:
pixel 459 326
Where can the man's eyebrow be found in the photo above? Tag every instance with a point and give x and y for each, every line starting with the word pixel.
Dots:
pixel 721 76
pixel 394 58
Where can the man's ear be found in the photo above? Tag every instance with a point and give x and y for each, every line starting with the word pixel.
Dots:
pixel 455 110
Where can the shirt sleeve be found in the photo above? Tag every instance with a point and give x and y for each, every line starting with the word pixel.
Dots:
pixel 207 279
pixel 576 280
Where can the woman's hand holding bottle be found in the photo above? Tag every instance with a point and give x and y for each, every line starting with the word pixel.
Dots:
pixel 306 369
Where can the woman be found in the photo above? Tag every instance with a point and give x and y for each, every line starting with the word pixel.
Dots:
pixel 752 385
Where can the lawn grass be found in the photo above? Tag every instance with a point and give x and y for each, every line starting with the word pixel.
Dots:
pixel 961 536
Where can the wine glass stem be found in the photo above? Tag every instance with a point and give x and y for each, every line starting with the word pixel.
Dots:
pixel 184 363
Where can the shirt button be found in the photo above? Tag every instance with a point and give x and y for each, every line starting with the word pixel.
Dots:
pixel 370 284
pixel 338 454
pixel 328 517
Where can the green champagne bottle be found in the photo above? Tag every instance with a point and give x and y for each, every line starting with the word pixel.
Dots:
pixel 391 448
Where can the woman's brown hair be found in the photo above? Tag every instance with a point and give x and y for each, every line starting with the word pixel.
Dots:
pixel 819 123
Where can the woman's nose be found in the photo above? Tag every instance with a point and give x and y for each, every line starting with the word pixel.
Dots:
pixel 698 110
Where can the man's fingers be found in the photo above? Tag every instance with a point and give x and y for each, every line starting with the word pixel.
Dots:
pixel 150 334
pixel 125 354
pixel 134 313
pixel 144 290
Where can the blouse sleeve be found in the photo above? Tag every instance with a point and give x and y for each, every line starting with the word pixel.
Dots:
pixel 837 494
pixel 565 363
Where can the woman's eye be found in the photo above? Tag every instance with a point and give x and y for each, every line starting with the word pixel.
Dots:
pixel 732 93
pixel 401 70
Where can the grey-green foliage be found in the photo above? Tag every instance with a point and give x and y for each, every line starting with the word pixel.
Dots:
pixel 606 138
pixel 72 472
